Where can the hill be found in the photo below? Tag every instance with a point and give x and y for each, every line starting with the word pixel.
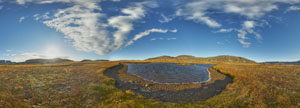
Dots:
pixel 6 62
pixel 46 61
pixel 283 63
pixel 192 59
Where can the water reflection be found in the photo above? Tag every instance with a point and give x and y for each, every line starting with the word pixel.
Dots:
pixel 170 73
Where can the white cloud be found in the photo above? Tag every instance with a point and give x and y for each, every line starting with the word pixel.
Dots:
pixel 87 26
pixel 9 55
pixel 224 30
pixel 153 39
pixel 174 31
pixel 244 43
pixel 116 0
pixel 147 32
pixel 165 19
pixel 250 8
pixel 86 3
pixel 1 7
pixel 124 24
pixel 293 8
pixel 90 29
pixel 196 11
pixel 23 1
pixel 173 38
pixel 21 19
pixel 198 16
pixel 249 24
pixel 83 26
pixel 247 28
pixel 199 11
pixel 44 16
pixel 36 17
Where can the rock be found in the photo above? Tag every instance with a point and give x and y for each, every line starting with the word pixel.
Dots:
pixel 19 87
pixel 129 92
pixel 144 90
pixel 89 101
pixel 146 85
pixel 131 81
pixel 135 88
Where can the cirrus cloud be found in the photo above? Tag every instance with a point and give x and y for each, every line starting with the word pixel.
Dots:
pixel 21 19
pixel 293 8
pixel 147 32
pixel 252 10
pixel 88 27
pixel 124 23
pixel 92 30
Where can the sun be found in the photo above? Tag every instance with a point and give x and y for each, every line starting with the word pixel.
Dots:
pixel 52 52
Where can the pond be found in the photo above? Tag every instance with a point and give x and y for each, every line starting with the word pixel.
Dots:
pixel 170 73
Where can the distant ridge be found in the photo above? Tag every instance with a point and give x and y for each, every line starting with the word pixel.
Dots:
pixel 283 63
pixel 6 62
pixel 45 61
pixel 192 59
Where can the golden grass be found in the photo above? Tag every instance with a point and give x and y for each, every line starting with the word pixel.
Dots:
pixel 258 85
pixel 84 85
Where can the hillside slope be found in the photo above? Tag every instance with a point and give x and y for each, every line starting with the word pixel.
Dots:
pixel 45 61
pixel 192 59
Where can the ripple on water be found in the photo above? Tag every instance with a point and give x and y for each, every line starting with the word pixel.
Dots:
pixel 170 73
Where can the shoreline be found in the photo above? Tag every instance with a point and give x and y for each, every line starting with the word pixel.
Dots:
pixel 186 95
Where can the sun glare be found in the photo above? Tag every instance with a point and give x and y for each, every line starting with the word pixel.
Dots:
pixel 52 52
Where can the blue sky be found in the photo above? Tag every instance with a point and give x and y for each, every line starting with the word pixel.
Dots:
pixel 261 30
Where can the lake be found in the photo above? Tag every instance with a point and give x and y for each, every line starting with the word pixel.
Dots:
pixel 170 73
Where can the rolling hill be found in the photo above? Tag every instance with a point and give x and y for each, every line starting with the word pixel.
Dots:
pixel 6 62
pixel 283 63
pixel 45 61
pixel 192 59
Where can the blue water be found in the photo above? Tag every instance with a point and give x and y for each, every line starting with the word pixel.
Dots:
pixel 170 73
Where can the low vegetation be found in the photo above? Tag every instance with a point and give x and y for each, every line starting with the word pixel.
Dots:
pixel 82 84
pixel 258 85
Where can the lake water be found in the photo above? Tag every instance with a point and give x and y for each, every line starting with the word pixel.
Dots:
pixel 170 73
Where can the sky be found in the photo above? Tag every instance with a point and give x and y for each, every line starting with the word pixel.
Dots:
pixel 260 30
